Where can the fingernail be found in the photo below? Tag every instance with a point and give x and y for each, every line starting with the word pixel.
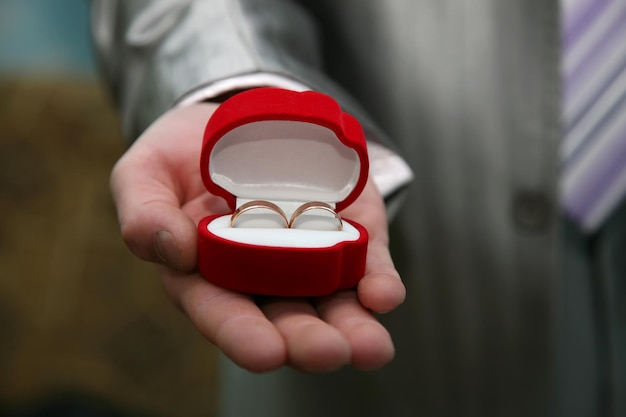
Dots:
pixel 166 249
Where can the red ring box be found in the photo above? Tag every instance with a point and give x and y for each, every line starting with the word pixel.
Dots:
pixel 287 148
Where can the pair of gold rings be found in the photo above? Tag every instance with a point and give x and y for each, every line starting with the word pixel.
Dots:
pixel 289 223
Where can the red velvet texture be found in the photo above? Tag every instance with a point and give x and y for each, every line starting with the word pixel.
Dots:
pixel 281 271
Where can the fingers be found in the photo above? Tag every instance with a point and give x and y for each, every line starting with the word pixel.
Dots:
pixel 381 288
pixel 324 336
pixel 312 344
pixel 229 320
pixel 332 332
pixel 370 344
pixel 281 332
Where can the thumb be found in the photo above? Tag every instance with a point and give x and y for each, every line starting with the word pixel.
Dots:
pixel 158 232
pixel 151 183
pixel 152 223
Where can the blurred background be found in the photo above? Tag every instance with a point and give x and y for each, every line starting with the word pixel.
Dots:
pixel 85 329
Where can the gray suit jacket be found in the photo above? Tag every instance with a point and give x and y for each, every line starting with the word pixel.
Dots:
pixel 510 311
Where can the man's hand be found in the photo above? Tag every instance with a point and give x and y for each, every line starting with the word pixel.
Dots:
pixel 160 199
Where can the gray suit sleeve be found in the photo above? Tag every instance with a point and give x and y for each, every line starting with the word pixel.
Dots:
pixel 153 52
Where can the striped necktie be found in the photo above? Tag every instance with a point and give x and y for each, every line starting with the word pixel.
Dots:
pixel 594 109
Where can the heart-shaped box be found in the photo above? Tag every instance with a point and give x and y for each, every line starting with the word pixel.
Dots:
pixel 287 148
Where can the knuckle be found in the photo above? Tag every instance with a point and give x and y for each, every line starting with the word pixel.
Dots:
pixel 131 232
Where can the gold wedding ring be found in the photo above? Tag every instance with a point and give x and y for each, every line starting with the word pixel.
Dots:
pixel 255 205
pixel 314 205
pixel 262 204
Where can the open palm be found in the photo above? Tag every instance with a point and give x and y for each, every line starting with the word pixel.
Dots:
pixel 160 199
